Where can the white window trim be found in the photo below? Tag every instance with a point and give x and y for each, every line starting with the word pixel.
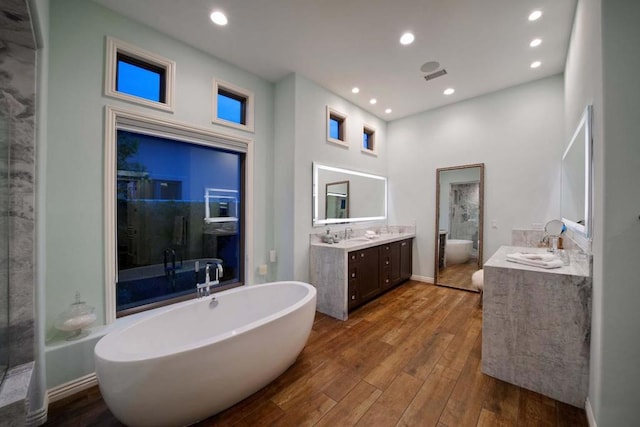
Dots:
pixel 113 46
pixel 117 118
pixel 334 112
pixel 249 106
pixel 372 130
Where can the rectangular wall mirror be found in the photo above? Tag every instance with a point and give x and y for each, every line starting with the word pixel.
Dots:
pixel 345 196
pixel 576 182
pixel 459 219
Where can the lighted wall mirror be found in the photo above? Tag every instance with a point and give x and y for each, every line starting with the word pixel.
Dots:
pixel 459 219
pixel 577 179
pixel 345 196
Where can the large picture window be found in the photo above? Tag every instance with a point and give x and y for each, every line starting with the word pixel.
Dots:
pixel 178 207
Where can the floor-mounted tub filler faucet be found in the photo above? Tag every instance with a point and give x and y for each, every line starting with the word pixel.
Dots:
pixel 204 289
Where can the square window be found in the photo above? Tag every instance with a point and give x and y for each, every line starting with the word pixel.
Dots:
pixel 232 106
pixel 138 76
pixel 336 127
pixel 369 140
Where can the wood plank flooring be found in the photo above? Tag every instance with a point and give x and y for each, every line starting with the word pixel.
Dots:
pixel 409 358
pixel 458 275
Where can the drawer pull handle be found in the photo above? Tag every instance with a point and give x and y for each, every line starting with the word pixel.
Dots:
pixel 404 243
pixel 353 274
pixel 361 255
pixel 353 297
pixel 386 281
pixel 387 263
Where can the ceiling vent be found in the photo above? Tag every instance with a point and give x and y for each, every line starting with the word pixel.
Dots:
pixel 435 75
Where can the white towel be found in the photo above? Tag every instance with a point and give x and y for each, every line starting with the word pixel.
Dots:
pixel 537 256
pixel 520 259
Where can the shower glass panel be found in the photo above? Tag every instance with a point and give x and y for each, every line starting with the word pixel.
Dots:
pixel 178 208
pixel 4 239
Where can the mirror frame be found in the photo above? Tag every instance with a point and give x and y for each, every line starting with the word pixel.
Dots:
pixel 585 230
pixel 314 197
pixel 437 222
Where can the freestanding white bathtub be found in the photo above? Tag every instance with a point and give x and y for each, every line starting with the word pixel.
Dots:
pixel 202 356
pixel 458 251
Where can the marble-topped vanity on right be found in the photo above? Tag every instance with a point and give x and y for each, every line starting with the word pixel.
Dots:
pixel 536 324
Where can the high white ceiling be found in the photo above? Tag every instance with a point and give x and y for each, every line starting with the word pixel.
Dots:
pixel 483 44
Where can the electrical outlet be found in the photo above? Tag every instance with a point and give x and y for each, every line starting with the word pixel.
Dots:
pixel 273 257
pixel 494 224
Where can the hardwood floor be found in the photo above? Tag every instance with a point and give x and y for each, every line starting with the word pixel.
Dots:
pixel 458 275
pixel 409 358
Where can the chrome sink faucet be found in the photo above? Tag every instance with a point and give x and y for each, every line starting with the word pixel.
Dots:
pixel 347 233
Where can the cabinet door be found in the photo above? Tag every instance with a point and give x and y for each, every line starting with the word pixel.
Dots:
pixel 353 294
pixel 368 280
pixel 389 264
pixel 406 259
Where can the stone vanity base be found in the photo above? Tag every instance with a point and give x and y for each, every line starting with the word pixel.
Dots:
pixel 536 326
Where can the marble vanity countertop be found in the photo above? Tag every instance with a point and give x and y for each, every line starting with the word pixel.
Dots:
pixel 357 243
pixel 579 264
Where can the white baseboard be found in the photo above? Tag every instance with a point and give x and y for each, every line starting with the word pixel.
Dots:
pixel 591 419
pixel 423 279
pixel 72 387
pixel 39 416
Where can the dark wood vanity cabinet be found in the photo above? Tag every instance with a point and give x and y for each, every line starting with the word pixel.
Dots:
pixel 376 269
pixel 363 275
pixel 406 260
pixel 389 264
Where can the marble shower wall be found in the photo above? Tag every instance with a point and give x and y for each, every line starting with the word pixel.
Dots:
pixel 17 109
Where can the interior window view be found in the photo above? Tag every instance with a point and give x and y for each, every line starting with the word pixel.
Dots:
pixel 178 214
pixel 416 213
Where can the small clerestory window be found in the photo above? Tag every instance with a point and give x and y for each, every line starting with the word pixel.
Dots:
pixel 369 140
pixel 336 127
pixel 232 106
pixel 135 75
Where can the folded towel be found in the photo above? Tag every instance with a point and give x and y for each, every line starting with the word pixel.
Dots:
pixel 520 259
pixel 537 256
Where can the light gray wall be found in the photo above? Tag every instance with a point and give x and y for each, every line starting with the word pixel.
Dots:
pixel 310 145
pixel 602 69
pixel 74 247
pixel 284 176
pixel 515 132
pixel 620 404
pixel 583 86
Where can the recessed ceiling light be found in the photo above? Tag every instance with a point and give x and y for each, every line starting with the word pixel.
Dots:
pixel 388 110
pixel 373 101
pixel 535 42
pixel 355 90
pixel 218 18
pixel 535 15
pixel 536 64
pixel 407 38
pixel 449 91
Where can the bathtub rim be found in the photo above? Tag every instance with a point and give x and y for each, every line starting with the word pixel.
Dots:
pixel 459 241
pixel 110 352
